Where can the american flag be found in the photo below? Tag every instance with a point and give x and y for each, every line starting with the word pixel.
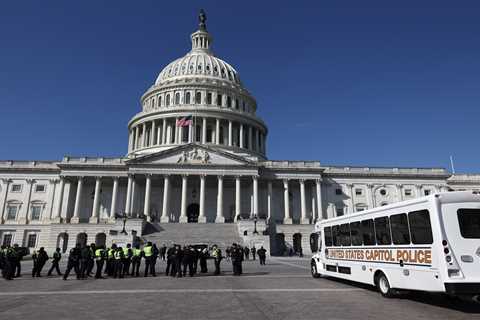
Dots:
pixel 185 121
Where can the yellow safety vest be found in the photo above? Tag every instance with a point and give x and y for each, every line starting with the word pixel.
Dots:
pixel 125 252
pixel 110 253
pixel 137 252
pixel 118 255
pixel 99 253
pixel 148 251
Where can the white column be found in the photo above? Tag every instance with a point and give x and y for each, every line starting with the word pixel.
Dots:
pixel 255 196
pixel 217 132
pixel 58 213
pixel 370 196
pixel 128 202
pixel 286 199
pixel 130 141
pixel 204 130
pixel 201 217
pixel 152 134
pixel 146 203
pixel 159 134
pixel 137 136
pixel 250 137
pixel 351 203
pixel 132 201
pixel 164 131
pixel 238 199
pixel 220 218
pixel 269 201
pixel 51 200
pixel 166 200
pixel 183 205
pixel 190 133
pixel 318 187
pixel 23 217
pixel 144 135
pixel 230 133
pixel 6 185
pixel 96 201
pixel 242 145
pixel 78 197
pixel 303 203
pixel 113 206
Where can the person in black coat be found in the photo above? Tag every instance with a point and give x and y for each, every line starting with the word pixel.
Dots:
pixel 39 260
pixel 237 258
pixel 170 261
pixel 55 263
pixel 73 262
pixel 178 261
pixel 203 256
pixel 262 254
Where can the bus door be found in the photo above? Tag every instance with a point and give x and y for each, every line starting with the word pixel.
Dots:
pixel 462 227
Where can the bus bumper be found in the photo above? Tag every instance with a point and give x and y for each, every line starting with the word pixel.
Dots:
pixel 462 288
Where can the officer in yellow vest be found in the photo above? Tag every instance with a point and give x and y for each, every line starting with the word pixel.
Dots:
pixel 111 260
pixel 147 254
pixel 100 256
pixel 127 259
pixel 136 260
pixel 118 264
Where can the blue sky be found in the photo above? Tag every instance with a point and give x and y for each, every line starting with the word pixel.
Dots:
pixel 379 83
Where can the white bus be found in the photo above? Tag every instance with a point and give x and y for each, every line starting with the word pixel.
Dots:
pixel 430 244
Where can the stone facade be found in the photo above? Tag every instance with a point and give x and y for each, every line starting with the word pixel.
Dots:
pixel 196 153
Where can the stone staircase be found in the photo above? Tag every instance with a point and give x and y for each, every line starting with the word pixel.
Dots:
pixel 222 235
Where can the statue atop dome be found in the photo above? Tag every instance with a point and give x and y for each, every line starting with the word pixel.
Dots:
pixel 202 17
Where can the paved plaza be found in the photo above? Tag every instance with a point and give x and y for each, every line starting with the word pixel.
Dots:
pixel 283 289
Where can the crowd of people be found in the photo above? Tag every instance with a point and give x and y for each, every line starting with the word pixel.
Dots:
pixel 120 262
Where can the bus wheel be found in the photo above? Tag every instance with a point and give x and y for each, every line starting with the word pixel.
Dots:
pixel 315 273
pixel 384 286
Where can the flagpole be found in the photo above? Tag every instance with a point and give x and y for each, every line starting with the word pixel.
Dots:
pixel 451 163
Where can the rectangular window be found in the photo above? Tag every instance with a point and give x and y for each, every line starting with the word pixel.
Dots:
pixel 356 233
pixel 345 235
pixel 209 98
pixel 40 188
pixel 469 221
pixel 426 192
pixel 328 236
pixel 336 236
pixel 219 100
pixel 420 228
pixel 12 212
pixel 358 192
pixel 7 240
pixel 399 224
pixel 338 192
pixel 16 187
pixel 368 232
pixel 408 192
pixel 32 240
pixel 36 211
pixel 382 231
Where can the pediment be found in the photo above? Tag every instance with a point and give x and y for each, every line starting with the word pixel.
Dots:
pixel 191 154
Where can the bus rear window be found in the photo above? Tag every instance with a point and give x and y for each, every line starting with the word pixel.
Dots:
pixel 328 236
pixel 469 221
pixel 420 228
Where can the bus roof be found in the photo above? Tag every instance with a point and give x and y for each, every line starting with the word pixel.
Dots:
pixel 444 197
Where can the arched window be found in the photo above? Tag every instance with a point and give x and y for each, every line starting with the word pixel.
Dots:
pixel 209 98
pixel 229 102
pixel 219 100
pixel 198 97
pixel 221 135
pixel 177 98
pixel 159 101
pixel 236 104
pixel 187 98
pixel 153 103
pixel 167 100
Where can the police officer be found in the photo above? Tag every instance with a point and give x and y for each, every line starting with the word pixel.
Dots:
pixel 17 258
pixel 9 262
pixel 237 257
pixel 217 256
pixel 247 253
pixel 118 264
pixel 136 260
pixel 111 260
pixel 91 260
pixel 178 257
pixel 73 262
pixel 55 261
pixel 84 258
pixel 2 257
pixel 262 255
pixel 203 255
pixel 187 261
pixel 254 252
pixel 39 260
pixel 147 254
pixel 153 261
pixel 127 259
pixel 170 260
pixel 100 256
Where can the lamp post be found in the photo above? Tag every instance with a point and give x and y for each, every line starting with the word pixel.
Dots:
pixel 124 217
pixel 255 224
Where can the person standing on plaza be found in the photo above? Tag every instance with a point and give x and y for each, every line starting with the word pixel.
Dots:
pixel 18 260
pixel 111 260
pixel 153 261
pixel 118 263
pixel 127 259
pixel 163 252
pixel 262 254
pixel 8 270
pixel 254 252
pixel 90 260
pixel 100 256
pixel 57 256
pixel 73 262
pixel 136 260
pixel 247 253
pixel 84 257
pixel 39 260
pixel 178 261
pixel 147 255
pixel 237 257
pixel 217 256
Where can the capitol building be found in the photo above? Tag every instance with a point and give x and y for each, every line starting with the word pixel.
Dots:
pixel 196 170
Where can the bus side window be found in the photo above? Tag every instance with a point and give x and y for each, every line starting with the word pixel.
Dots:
pixel 345 235
pixel 420 227
pixel 328 236
pixel 368 232
pixel 382 231
pixel 336 236
pixel 399 224
pixel 314 242
pixel 355 231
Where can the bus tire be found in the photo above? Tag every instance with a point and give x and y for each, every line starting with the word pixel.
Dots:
pixel 384 286
pixel 314 270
